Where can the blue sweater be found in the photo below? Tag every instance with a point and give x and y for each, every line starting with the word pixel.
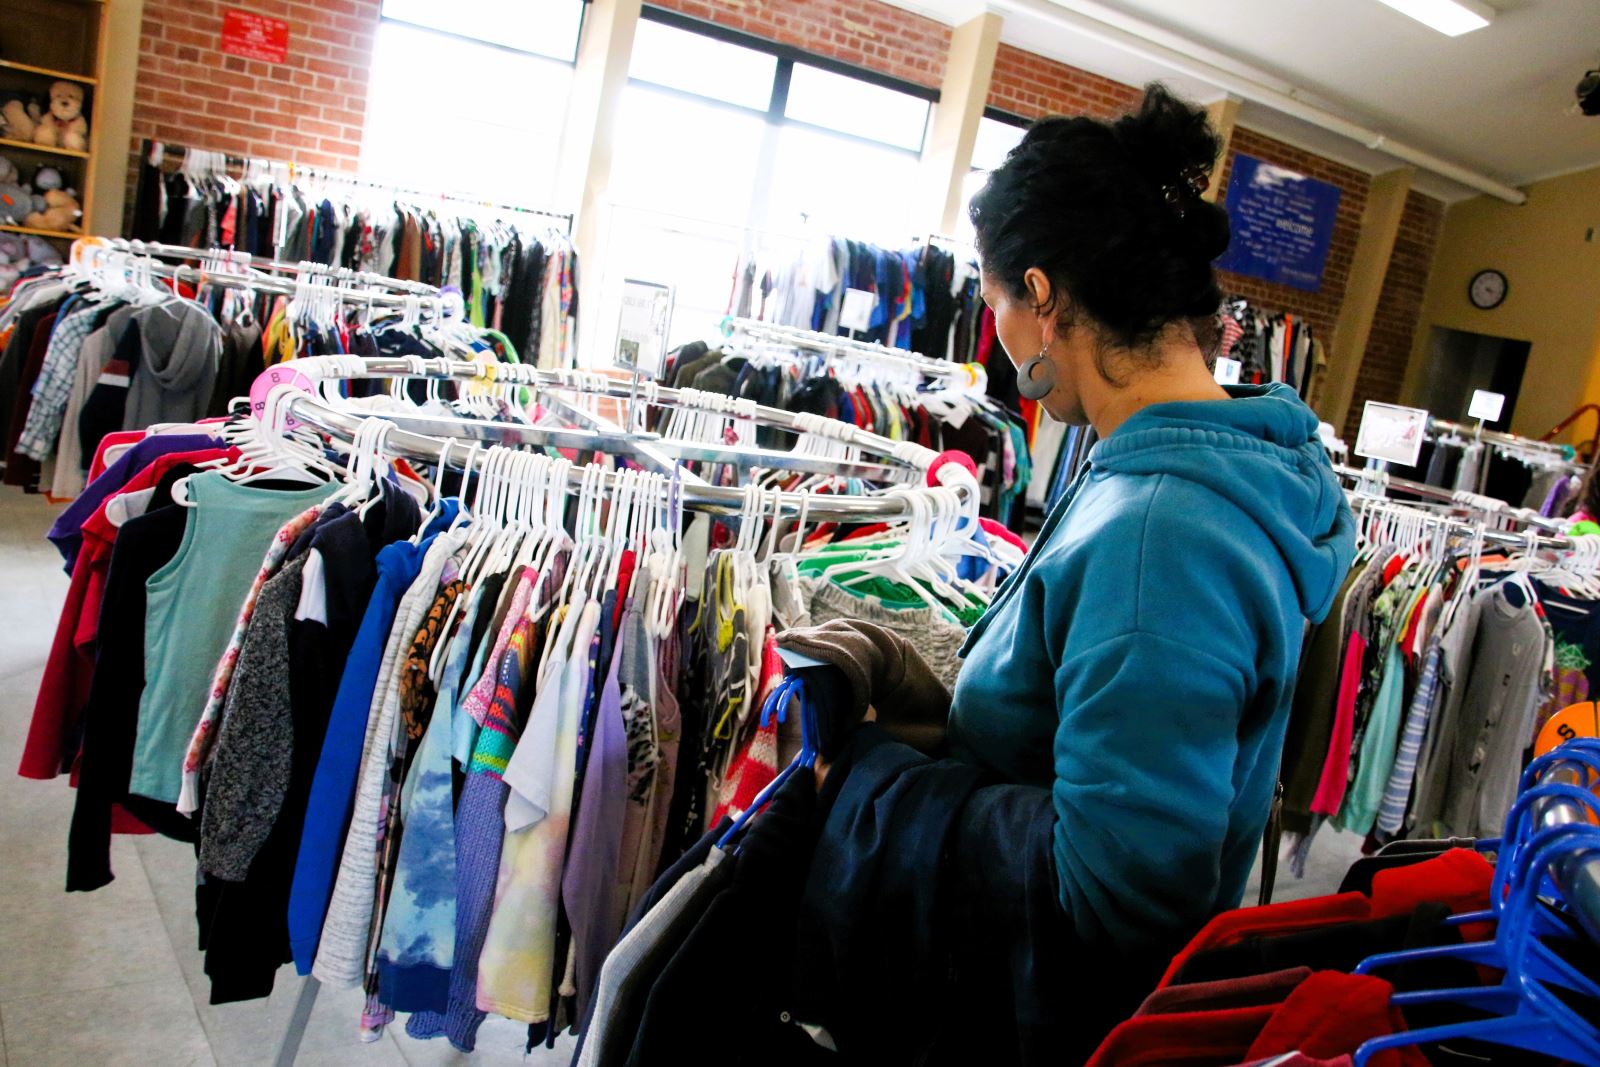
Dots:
pixel 1141 662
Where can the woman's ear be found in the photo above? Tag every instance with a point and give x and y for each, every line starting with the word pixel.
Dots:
pixel 1039 289
pixel 1041 294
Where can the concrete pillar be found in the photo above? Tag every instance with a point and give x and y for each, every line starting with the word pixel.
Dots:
pixel 1224 113
pixel 584 173
pixel 947 156
pixel 1380 223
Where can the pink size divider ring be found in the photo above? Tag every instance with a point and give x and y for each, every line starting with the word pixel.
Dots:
pixel 270 379
pixel 960 459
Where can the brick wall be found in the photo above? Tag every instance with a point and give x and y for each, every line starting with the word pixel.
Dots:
pixel 308 109
pixel 1320 308
pixel 1394 325
pixel 1031 86
pixel 862 33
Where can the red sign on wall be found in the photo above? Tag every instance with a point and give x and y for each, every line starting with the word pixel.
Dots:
pixel 253 36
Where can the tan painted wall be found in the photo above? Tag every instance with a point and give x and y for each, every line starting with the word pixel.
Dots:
pixel 1553 297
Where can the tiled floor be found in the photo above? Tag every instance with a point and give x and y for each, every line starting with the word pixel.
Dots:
pixel 112 977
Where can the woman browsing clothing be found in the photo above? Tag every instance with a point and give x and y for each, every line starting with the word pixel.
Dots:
pixel 1116 728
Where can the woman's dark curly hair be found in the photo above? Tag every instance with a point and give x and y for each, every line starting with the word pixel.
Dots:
pixel 1112 213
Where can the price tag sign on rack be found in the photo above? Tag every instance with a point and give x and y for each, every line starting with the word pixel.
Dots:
pixel 643 327
pixel 1486 405
pixel 1391 432
pixel 855 313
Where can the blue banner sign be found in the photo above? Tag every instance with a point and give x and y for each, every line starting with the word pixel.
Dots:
pixel 1282 224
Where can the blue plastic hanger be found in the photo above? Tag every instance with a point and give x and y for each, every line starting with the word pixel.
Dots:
pixel 1534 922
pixel 777 703
pixel 1533 1018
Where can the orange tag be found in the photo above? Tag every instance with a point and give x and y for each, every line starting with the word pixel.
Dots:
pixel 1575 720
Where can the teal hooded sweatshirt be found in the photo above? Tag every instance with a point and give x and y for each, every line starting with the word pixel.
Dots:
pixel 1142 660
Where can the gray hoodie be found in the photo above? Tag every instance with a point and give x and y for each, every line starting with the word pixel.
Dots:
pixel 180 348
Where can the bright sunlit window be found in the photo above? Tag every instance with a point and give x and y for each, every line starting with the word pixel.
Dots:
pixel 996 138
pixel 694 63
pixel 498 137
pixel 543 27
pixel 830 184
pixel 850 105
pixel 725 144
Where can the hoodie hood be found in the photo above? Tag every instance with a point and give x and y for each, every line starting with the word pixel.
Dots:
pixel 180 344
pixel 1276 472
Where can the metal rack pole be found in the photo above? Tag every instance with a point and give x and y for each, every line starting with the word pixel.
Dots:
pixel 903 460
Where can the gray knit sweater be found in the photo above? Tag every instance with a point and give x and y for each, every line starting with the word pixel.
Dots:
pixel 250 764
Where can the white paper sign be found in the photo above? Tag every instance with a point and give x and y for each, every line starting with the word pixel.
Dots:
pixel 642 327
pixel 1486 405
pixel 855 313
pixel 1228 370
pixel 1392 433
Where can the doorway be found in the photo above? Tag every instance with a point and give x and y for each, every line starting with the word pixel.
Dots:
pixel 1460 362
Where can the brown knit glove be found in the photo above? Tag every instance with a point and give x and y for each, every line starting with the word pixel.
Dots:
pixel 885 672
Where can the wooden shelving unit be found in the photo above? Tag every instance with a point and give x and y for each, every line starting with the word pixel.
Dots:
pixel 54 75
pixel 59 235
pixel 29 146
pixel 42 41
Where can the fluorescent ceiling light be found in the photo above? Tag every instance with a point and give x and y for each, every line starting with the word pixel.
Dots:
pixel 1450 17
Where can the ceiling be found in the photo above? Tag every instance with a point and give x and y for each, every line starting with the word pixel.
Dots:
pixel 1497 101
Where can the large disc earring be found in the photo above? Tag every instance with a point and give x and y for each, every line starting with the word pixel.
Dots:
pixel 1037 377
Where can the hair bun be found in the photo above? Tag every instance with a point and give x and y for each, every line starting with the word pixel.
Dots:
pixel 1173 143
pixel 1169 139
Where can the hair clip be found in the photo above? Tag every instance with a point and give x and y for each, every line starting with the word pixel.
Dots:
pixel 1193 180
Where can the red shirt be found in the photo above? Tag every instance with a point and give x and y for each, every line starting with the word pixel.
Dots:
pixel 1459 879
pixel 1328 1015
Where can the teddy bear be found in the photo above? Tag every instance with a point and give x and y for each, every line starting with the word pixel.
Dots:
pixel 61 212
pixel 19 116
pixel 63 126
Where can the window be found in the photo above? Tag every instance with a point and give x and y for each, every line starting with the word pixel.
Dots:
pixel 693 63
pixel 542 27
pixel 998 134
pixel 838 185
pixel 725 144
pixel 499 139
pixel 849 105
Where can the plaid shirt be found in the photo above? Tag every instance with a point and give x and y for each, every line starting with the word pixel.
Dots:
pixel 1397 794
pixel 56 374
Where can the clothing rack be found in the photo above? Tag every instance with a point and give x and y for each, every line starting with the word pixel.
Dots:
pixel 230 257
pixel 1543 453
pixel 755 329
pixel 1578 879
pixel 447 449
pixel 294 170
pixel 1487 505
pixel 446 305
pixel 432 439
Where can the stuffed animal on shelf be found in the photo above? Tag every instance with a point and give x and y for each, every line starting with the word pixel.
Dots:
pixel 17 201
pixel 61 212
pixel 63 126
pixel 19 116
pixel 47 178
pixel 18 254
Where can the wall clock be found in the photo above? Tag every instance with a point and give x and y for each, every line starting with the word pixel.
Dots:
pixel 1487 289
